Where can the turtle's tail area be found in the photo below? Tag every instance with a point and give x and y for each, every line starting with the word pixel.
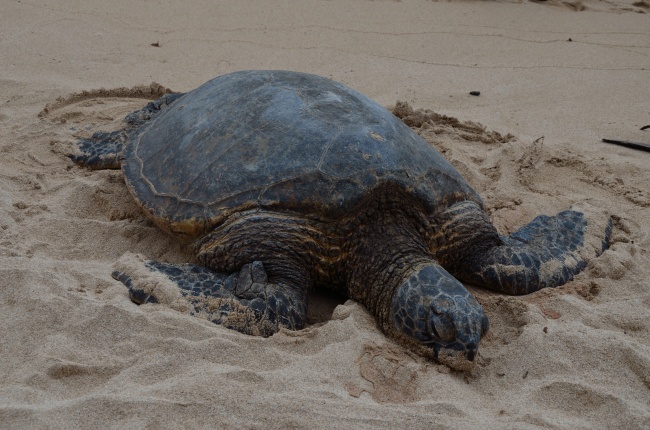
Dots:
pixel 103 149
pixel 547 252
pixel 153 108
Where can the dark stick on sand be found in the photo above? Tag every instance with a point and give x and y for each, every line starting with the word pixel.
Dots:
pixel 633 145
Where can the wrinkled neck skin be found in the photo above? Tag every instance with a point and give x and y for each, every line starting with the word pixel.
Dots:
pixel 392 270
pixel 386 245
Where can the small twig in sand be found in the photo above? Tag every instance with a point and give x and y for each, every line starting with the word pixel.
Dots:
pixel 633 145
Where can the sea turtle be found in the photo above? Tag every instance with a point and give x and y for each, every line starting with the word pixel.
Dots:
pixel 286 181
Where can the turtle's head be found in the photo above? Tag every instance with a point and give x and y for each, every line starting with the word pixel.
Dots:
pixel 437 313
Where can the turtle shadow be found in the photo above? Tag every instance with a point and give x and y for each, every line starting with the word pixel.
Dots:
pixel 321 303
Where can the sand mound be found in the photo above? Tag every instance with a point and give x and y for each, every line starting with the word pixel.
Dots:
pixel 81 347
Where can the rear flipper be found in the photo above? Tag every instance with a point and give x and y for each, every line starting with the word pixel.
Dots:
pixel 244 301
pixel 547 252
pixel 139 117
pixel 102 150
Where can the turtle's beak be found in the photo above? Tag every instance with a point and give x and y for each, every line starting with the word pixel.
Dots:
pixel 462 352
pixel 471 354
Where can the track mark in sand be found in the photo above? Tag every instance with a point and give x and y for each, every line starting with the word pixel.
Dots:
pixel 150 92
pixel 540 167
pixel 508 317
pixel 100 196
pixel 600 174
pixel 391 374
pixel 470 147
pixel 60 369
pixel 96 110
pixel 571 396
pixel 426 122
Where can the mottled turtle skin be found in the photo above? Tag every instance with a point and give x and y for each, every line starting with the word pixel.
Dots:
pixel 287 181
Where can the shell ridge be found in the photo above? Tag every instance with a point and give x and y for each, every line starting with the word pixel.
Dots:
pixel 327 148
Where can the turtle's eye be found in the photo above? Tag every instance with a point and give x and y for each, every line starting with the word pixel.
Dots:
pixel 442 327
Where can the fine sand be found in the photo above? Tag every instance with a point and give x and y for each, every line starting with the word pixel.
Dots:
pixel 555 77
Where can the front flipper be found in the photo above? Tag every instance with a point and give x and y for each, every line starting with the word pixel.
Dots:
pixel 244 301
pixel 547 252
pixel 102 150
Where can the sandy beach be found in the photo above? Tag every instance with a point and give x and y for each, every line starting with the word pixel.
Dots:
pixel 555 77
